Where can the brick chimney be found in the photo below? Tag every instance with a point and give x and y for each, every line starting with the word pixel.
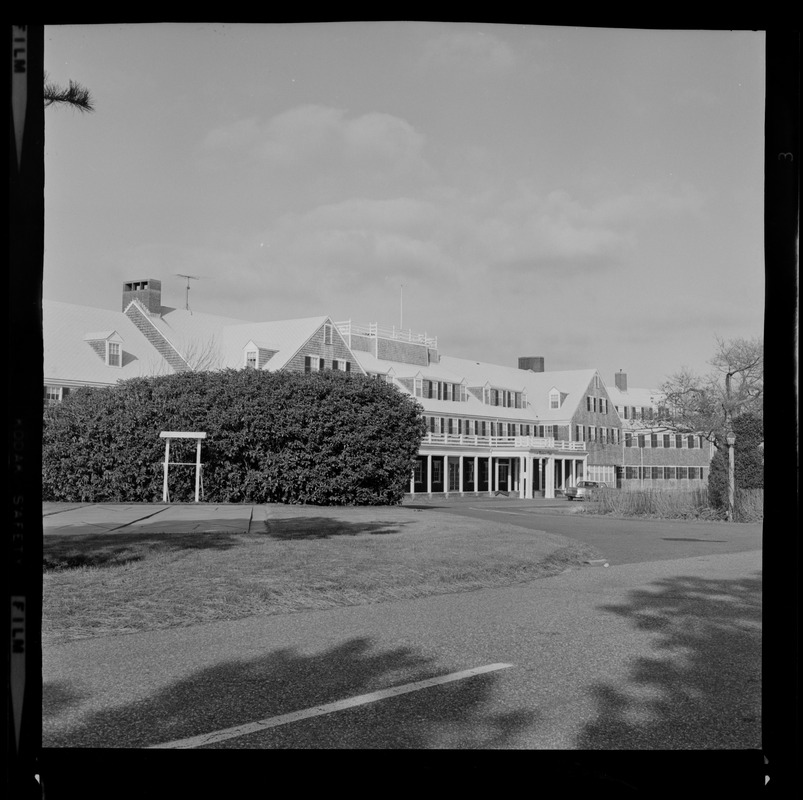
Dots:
pixel 532 363
pixel 148 292
pixel 621 381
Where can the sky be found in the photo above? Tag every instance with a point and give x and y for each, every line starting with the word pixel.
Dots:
pixel 590 195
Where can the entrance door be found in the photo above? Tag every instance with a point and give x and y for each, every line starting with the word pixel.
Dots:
pixel 454 476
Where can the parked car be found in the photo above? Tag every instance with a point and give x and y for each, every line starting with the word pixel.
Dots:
pixel 583 489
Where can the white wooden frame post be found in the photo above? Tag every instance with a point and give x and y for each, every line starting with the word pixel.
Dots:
pixel 167 436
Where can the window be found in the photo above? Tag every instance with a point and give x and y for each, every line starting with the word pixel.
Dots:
pixel 641 440
pixel 678 442
pixel 669 473
pixel 52 395
pixel 341 365
pixel 418 472
pixel 667 442
pixel 313 364
pixel 690 443
pixel 693 473
pixel 657 473
pixel 683 473
pixel 437 470
pixel 554 399
pixel 327 334
pixel 628 440
pixel 251 359
pixel 114 355
pixel 631 473
pixel 653 440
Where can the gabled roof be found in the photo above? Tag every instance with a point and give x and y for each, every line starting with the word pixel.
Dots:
pixel 571 383
pixel 287 337
pixel 69 360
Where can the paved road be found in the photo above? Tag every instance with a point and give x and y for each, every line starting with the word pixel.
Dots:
pixel 656 653
pixel 620 541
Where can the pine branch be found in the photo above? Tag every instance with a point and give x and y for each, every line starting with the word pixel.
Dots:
pixel 75 95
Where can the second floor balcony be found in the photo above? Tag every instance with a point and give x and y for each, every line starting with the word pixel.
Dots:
pixel 500 442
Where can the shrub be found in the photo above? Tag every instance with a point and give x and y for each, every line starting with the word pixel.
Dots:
pixel 326 438
pixel 748 461
pixel 661 503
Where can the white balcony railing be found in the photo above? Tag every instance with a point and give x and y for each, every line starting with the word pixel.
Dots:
pixel 502 442
pixel 348 328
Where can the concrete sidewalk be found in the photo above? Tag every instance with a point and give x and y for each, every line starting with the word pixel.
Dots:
pixel 88 518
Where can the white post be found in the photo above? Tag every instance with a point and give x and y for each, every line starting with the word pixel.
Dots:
pixel 549 483
pixel 429 475
pixel 490 476
pixel 476 474
pixel 446 476
pixel 167 461
pixel 530 477
pixel 460 475
pixel 197 469
pixel 496 475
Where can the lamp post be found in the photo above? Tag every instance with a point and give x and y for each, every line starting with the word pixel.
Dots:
pixel 731 440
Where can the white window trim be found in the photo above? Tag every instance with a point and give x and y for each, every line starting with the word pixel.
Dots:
pixel 256 358
pixel 109 345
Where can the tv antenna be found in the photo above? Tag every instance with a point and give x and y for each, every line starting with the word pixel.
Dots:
pixel 187 293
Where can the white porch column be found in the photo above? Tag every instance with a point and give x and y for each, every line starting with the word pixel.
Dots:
pixel 429 475
pixel 496 475
pixel 490 475
pixel 412 483
pixel 476 474
pixel 549 475
pixel 446 475
pixel 460 475
pixel 541 484
pixel 530 475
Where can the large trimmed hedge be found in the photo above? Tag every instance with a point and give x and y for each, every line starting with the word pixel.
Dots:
pixel 328 438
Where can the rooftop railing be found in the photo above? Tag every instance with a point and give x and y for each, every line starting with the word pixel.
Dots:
pixel 348 328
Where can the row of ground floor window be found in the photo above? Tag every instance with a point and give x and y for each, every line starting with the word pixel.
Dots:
pixel 530 474
pixel 582 433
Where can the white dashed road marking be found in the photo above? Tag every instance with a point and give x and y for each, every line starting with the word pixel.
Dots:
pixel 351 702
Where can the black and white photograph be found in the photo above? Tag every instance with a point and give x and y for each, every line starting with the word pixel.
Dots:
pixel 403 390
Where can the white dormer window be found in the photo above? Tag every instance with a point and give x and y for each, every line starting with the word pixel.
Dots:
pixel 554 398
pixel 114 354
pixel 251 359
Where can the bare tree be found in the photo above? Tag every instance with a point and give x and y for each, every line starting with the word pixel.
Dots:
pixel 203 354
pixel 74 95
pixel 707 404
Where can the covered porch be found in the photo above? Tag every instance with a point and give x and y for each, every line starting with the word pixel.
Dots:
pixel 522 466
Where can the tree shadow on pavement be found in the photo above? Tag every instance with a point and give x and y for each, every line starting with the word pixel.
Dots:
pixel 237 692
pixel 322 527
pixel 703 691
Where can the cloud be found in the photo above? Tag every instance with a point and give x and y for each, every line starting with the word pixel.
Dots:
pixel 469 51
pixel 314 134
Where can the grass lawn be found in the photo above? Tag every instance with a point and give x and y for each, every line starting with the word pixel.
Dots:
pixel 303 558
